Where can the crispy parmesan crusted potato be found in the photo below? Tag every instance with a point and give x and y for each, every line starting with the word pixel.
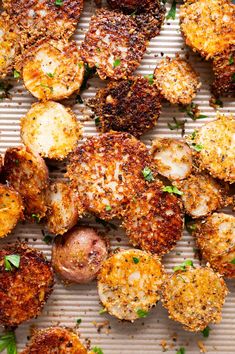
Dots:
pixel 194 297
pixel 35 19
pixel 28 175
pixel 132 105
pixel 8 45
pixel 11 209
pixel 78 255
pixel 53 340
pixel 208 26
pixel 173 158
pixel 202 194
pixel 217 139
pixel 132 5
pixel 176 80
pixel 24 290
pixel 216 240
pixel 153 220
pixel 53 70
pixel 64 208
pixel 106 171
pixel 129 283
pixel 50 129
pixel 113 44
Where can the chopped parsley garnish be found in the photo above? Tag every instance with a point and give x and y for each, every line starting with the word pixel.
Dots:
pixel 206 332
pixel 219 103
pixel 97 350
pixel 47 87
pixel 193 135
pixel 97 121
pixel 17 162
pixel 48 239
pixel 190 227
pixel 148 175
pixel 106 223
pixel 8 342
pixel 36 217
pixel 59 2
pixel 172 189
pixel 231 60
pixel 171 14
pixel 233 261
pixel 16 74
pixel 197 147
pixel 176 125
pixel 79 99
pixel 79 320
pixel 102 311
pixel 136 260
pixel 142 313
pixel 108 208
pixel 50 74
pixel 10 261
pixel 150 78
pixel 182 266
pixel 193 111
pixel 116 63
pixel 181 351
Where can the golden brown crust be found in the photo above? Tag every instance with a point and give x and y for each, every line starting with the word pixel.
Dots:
pixel 54 340
pixel 153 219
pixel 132 106
pixel 208 26
pixel 53 70
pixel 113 44
pixel 194 297
pixel 50 129
pixel 11 209
pixel 24 290
pixel 130 281
pixel 106 171
pixel 176 80
pixel 28 175
pixel 216 240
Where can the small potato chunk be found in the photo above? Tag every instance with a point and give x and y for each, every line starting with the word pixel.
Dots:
pixel 216 240
pixel 216 140
pixel 202 194
pixel 64 208
pixel 176 80
pixel 11 209
pixel 173 158
pixel 77 256
pixel 27 173
pixel 54 340
pixel 129 284
pixel 194 297
pixel 53 70
pixel 50 129
pixel 113 44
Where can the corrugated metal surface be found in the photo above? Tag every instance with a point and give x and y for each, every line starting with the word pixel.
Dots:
pixel 68 304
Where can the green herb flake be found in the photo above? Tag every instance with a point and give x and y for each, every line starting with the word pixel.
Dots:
pixel 193 135
pixel 150 78
pixel 50 75
pixel 219 103
pixel 79 99
pixel 148 175
pixel 108 208
pixel 116 63
pixel 172 189
pixel 59 2
pixel 136 260
pixel 36 217
pixel 48 239
pixel 232 261
pixel 79 320
pixel 172 13
pixel 181 350
pixel 8 342
pixel 176 125
pixel 17 162
pixel 102 311
pixel 206 332
pixel 10 261
pixel 47 87
pixel 197 147
pixel 182 266
pixel 231 60
pixel 97 350
pixel 16 74
pixel 97 121
pixel 142 313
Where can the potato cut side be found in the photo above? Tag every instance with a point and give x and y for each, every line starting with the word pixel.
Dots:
pixel 50 129
pixel 11 209
pixel 53 70
pixel 129 284
pixel 176 80
pixel 173 158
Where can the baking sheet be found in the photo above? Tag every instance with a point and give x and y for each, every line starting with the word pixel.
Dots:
pixel 156 333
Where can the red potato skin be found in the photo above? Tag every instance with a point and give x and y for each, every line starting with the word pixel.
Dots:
pixel 77 256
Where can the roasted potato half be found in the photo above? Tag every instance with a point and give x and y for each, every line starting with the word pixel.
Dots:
pixel 129 284
pixel 113 44
pixel 216 240
pixel 26 287
pixel 217 148
pixel 50 129
pixel 53 70
pixel 77 256
pixel 176 80
pixel 153 219
pixel 132 106
pixel 173 158
pixel 11 209
pixel 64 208
pixel 202 194
pixel 194 297
pixel 54 340
pixel 208 26
pixel 27 173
